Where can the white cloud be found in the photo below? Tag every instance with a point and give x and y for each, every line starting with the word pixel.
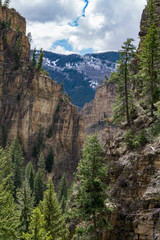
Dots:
pixel 106 25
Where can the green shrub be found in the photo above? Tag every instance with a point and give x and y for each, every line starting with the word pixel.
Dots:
pixel 143 137
pixel 50 132
pixel 155 129
pixel 135 140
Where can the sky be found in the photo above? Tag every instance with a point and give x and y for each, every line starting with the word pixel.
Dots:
pixel 81 26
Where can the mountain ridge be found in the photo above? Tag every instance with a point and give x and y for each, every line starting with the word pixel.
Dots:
pixel 80 74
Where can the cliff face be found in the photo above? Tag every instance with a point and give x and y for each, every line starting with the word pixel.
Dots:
pixel 100 108
pixel 31 104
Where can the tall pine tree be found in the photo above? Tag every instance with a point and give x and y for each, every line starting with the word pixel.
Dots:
pixel 150 59
pixel 17 162
pixel 9 219
pixel 93 193
pixel 53 219
pixel 30 175
pixel 36 228
pixel 124 107
pixel 25 205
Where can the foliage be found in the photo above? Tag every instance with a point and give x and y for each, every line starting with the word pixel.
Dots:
pixel 34 57
pixel 150 59
pixel 36 228
pixel 135 140
pixel 30 175
pixel 53 218
pixel 50 160
pixel 40 142
pixel 38 187
pixel 25 205
pixel 124 107
pixel 4 135
pixel 41 163
pixel 6 3
pixel 50 132
pixel 93 192
pixel 17 163
pixel 29 37
pixel 40 60
pixel 63 192
pixel 8 214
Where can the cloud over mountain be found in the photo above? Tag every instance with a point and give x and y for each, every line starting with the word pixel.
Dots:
pixel 93 25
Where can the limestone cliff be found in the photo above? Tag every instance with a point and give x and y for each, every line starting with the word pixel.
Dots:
pixel 101 108
pixel 32 104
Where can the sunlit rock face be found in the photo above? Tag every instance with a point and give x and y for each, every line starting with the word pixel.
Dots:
pixel 31 103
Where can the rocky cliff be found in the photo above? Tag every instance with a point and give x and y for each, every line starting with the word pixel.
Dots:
pixel 32 106
pixel 101 108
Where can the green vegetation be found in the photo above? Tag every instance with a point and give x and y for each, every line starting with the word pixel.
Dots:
pixel 8 214
pixel 50 160
pixel 53 219
pixel 134 140
pixel 63 193
pixel 93 193
pixel 124 106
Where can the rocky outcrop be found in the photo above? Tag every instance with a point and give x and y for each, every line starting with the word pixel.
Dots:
pixel 32 106
pixel 101 108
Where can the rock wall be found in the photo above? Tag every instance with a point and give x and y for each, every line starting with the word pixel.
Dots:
pixel 101 107
pixel 17 22
pixel 32 104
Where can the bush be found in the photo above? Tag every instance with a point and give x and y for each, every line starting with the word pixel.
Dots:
pixel 155 129
pixel 143 138
pixel 50 132
pixel 135 140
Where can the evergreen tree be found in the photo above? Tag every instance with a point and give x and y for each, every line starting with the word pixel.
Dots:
pixel 40 60
pixel 17 162
pixel 6 3
pixel 41 163
pixel 150 59
pixel 92 193
pixel 63 192
pixel 53 218
pixel 8 214
pixel 34 57
pixel 25 205
pixel 50 160
pixel 36 228
pixel 124 107
pixel 30 175
pixel 38 187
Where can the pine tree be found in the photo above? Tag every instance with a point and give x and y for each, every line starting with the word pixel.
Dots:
pixel 6 3
pixel 17 162
pixel 38 187
pixel 41 163
pixel 34 57
pixel 124 107
pixel 40 60
pixel 63 192
pixel 92 193
pixel 8 214
pixel 30 175
pixel 53 218
pixel 36 228
pixel 150 59
pixel 50 160
pixel 25 205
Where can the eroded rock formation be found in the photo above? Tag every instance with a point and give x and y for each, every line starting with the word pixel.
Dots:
pixel 31 104
pixel 101 108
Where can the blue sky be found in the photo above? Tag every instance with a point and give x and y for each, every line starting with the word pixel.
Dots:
pixel 81 26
